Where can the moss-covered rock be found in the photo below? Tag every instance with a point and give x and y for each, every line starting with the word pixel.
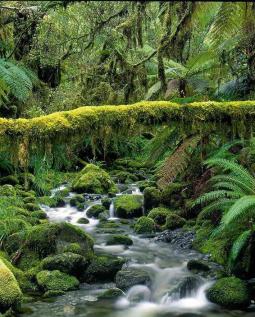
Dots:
pixel 229 292
pixel 146 183
pixel 77 200
pixel 83 221
pixel 111 293
pixel 159 215
pixel 172 195
pixel 128 206
pixel 93 179
pixel 106 202
pixel 67 262
pixel 144 225
pixel 10 293
pixel 198 266
pixel 56 281
pixel 29 199
pixel 125 177
pixel 95 210
pixel 74 248
pixel 53 293
pixel 119 239
pixel 103 268
pixel 46 239
pixel 53 202
pixel 129 277
pixel 152 198
pixel 39 214
pixel 173 221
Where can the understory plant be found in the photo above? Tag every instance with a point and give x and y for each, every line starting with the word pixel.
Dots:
pixel 233 196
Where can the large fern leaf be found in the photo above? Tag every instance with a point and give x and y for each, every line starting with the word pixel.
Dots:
pixel 241 209
pixel 238 246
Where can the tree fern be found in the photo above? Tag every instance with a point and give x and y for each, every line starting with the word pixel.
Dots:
pixel 18 79
pixel 242 208
pixel 238 246
pixel 233 167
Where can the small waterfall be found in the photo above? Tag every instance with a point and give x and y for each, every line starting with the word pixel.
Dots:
pixel 111 210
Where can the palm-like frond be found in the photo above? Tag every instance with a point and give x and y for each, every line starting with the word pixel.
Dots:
pixel 238 246
pixel 18 79
pixel 215 195
pixel 241 209
pixel 233 179
pixel 234 168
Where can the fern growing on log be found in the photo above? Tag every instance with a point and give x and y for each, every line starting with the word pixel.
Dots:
pixel 177 162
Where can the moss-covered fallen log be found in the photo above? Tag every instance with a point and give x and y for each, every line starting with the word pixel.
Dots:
pixel 89 119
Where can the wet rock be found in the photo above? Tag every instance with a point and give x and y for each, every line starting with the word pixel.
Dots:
pixel 132 276
pixel 119 239
pixel 186 287
pixel 106 202
pixel 173 221
pixel 56 281
pixel 181 239
pixel 128 206
pixel 95 211
pixel 77 200
pixel 111 293
pixel 198 266
pixel 230 292
pixel 83 221
pixel 152 197
pixel 145 225
pixel 159 215
pixel 103 268
pixel 70 263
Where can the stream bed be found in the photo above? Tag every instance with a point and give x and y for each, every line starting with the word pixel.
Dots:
pixel 165 263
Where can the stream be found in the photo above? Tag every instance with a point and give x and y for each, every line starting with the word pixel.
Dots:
pixel 165 263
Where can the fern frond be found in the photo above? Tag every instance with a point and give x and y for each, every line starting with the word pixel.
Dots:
pixel 230 186
pixel 238 246
pixel 242 208
pixel 214 195
pixel 223 204
pixel 233 167
pixel 233 180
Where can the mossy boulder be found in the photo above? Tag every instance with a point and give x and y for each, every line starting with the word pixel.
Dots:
pixel 129 277
pixel 74 248
pixel 29 199
pixel 125 177
pixel 77 200
pixel 129 206
pixel 68 262
pixel 146 183
pixel 47 239
pixel 174 221
pixel 83 221
pixel 229 292
pixel 56 281
pixel 53 202
pixel 39 214
pixel 119 239
pixel 93 179
pixel 144 225
pixel 10 293
pixel 152 198
pixel 103 268
pixel 111 293
pixel 106 202
pixel 198 266
pixel 172 195
pixel 159 215
pixel 31 206
pixel 95 210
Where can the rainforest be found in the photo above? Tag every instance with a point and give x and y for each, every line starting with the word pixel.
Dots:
pixel 127 158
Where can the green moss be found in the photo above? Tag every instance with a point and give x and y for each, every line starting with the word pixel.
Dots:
pixel 10 293
pixel 67 262
pixel 128 206
pixel 95 211
pixel 74 248
pixel 103 268
pixel 93 179
pixel 173 221
pixel 83 221
pixel 53 293
pixel 119 239
pixel 106 202
pixel 144 225
pixel 77 200
pixel 152 197
pixel 125 177
pixel 30 199
pixel 146 183
pixel 111 293
pixel 53 202
pixel 39 214
pixel 229 292
pixel 7 190
pixel 159 215
pixel 56 281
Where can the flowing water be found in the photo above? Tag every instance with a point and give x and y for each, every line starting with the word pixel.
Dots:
pixel 174 290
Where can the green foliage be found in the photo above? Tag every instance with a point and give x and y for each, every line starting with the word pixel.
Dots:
pixel 145 225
